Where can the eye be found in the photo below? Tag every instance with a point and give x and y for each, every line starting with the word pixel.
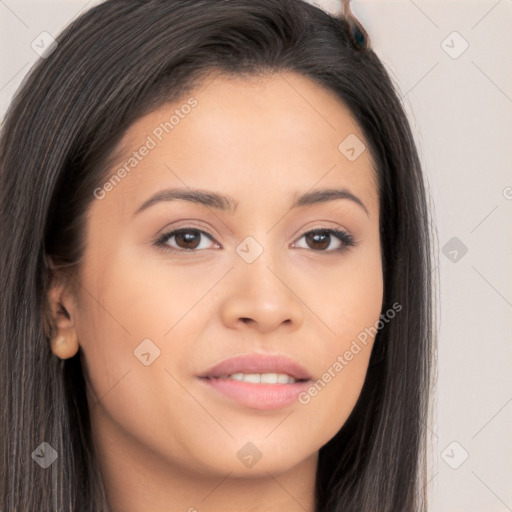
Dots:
pixel 185 239
pixel 321 239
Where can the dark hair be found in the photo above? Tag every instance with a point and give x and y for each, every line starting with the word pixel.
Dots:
pixel 116 62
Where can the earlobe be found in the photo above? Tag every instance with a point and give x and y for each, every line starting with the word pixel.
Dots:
pixel 65 345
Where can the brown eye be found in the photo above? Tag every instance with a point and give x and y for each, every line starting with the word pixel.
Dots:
pixel 187 239
pixel 184 239
pixel 321 239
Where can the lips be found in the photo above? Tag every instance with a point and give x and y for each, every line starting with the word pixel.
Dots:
pixel 237 379
pixel 258 363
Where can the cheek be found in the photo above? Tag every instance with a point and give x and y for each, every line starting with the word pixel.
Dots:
pixel 132 309
pixel 347 296
pixel 350 304
pixel 136 316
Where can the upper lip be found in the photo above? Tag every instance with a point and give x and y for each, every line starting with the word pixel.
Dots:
pixel 258 363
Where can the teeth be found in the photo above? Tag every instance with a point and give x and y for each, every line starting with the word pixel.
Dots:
pixel 263 378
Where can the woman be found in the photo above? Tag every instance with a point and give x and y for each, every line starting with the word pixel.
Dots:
pixel 216 268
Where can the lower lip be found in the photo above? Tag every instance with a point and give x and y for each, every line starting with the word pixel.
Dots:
pixel 258 396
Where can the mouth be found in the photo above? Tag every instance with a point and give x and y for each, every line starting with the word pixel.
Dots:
pixel 261 378
pixel 257 381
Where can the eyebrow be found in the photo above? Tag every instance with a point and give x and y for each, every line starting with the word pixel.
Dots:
pixel 226 203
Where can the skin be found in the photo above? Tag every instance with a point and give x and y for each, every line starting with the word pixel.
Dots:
pixel 165 441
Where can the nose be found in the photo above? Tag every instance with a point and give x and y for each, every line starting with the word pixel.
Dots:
pixel 261 296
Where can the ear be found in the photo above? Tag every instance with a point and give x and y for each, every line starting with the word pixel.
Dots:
pixel 64 339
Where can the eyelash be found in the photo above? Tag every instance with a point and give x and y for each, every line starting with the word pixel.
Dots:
pixel 345 238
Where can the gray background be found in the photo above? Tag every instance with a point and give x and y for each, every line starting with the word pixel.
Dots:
pixel 459 101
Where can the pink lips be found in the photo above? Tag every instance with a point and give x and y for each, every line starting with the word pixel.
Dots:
pixel 257 396
pixel 258 363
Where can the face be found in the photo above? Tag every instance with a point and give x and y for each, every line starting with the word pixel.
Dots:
pixel 273 282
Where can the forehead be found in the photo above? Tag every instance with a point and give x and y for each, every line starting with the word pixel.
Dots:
pixel 271 132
